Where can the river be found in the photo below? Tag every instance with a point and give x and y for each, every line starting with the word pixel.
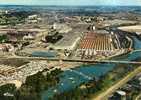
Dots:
pixel 82 74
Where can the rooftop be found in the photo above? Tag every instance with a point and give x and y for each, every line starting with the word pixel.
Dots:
pixel 68 39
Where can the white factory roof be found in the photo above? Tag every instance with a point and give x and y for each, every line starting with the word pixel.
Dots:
pixel 68 42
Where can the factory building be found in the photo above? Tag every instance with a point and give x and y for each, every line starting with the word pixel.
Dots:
pixel 68 42
pixel 98 42
pixel 95 43
pixel 62 28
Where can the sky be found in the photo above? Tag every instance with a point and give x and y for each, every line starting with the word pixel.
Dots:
pixel 71 2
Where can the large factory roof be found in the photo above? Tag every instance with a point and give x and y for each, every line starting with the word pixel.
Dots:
pixel 68 41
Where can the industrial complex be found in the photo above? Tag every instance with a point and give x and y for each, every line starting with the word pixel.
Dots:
pixel 63 49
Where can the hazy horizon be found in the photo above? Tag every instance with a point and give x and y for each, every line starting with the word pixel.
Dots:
pixel 72 2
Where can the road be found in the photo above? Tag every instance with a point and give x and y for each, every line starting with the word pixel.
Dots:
pixel 74 60
pixel 138 97
pixel 113 88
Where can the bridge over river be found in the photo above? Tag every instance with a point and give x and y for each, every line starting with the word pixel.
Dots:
pixel 75 60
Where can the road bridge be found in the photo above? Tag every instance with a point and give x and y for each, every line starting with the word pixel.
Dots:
pixel 75 60
pixel 138 50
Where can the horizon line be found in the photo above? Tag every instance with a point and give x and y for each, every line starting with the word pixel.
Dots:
pixel 61 5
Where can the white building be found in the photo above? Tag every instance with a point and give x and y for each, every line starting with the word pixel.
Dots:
pixel 61 28
pixel 68 42
pixel 32 17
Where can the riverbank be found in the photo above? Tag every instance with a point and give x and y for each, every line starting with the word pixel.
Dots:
pixel 103 95
pixel 96 86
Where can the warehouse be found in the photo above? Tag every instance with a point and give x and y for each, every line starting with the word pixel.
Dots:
pixel 95 44
pixel 68 42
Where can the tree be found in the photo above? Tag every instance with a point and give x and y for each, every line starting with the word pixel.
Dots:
pixel 10 88
pixel 3 38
